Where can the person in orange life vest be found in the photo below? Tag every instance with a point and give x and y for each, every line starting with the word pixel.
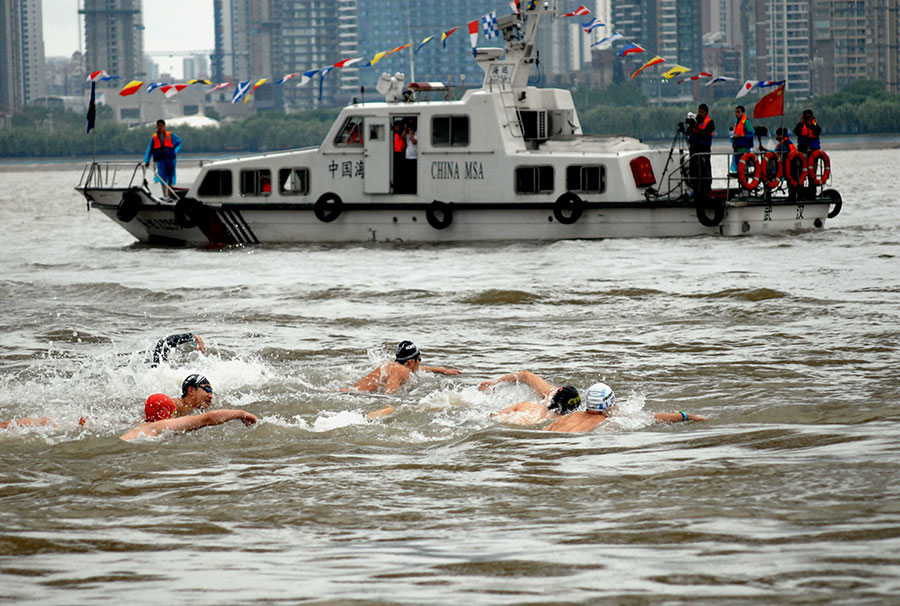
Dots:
pixel 783 149
pixel 741 137
pixel 265 185
pixel 399 156
pixel 807 131
pixel 700 131
pixel 163 148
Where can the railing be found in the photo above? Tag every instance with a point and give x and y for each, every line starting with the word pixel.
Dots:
pixel 124 175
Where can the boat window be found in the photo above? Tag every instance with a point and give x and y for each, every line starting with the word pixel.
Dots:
pixel 293 181
pixel 534 179
pixel 450 130
pixel 350 134
pixel 586 178
pixel 216 183
pixel 256 182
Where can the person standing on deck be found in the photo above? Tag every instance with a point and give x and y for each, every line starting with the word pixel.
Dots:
pixel 163 148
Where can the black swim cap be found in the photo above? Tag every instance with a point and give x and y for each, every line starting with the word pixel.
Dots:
pixel 407 350
pixel 565 400
pixel 194 381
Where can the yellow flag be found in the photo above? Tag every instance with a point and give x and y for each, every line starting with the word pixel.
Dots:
pixel 678 69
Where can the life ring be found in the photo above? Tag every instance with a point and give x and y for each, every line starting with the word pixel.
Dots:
pixel 435 209
pixel 836 200
pixel 568 208
pixel 801 176
pixel 814 158
pixel 775 181
pixel 718 213
pixel 328 207
pixel 746 160
pixel 129 205
pixel 188 212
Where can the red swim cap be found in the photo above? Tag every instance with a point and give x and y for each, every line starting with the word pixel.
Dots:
pixel 159 406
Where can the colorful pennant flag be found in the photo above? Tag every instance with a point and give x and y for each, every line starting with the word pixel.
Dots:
pixel 285 78
pixel 241 88
pixel 307 76
pixel 347 62
pixel 674 71
pixel 131 88
pixel 768 83
pixel 173 89
pixel 219 86
pixel 154 85
pixel 746 88
pixel 423 43
pixel 532 5
pixel 580 11
pixel 591 25
pixel 654 61
pixel 514 6
pixel 771 105
pixel 697 77
pixel 108 78
pixel 378 57
pixel 446 35
pixel 399 48
pixel 255 86
pixel 324 73
pixel 607 42
pixel 98 75
pixel 718 79
pixel 630 48
pixel 473 35
pixel 489 23
pixel 207 82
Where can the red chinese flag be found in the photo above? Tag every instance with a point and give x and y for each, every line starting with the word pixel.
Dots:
pixel 771 105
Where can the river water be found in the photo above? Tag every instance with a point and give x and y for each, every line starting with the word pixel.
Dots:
pixel 788 494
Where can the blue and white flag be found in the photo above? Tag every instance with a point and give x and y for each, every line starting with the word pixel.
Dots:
pixel 489 25
pixel 307 76
pixel 591 25
pixel 154 85
pixel 607 42
pixel 242 88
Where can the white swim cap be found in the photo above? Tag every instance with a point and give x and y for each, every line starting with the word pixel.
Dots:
pixel 600 397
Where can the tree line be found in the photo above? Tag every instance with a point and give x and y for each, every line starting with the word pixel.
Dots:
pixel 863 107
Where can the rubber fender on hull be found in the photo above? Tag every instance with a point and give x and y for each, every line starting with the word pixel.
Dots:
pixel 188 212
pixel 328 207
pixel 129 205
pixel 439 215
pixel 568 208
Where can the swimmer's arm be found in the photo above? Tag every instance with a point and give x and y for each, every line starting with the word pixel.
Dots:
pixel 676 417
pixel 26 422
pixel 440 370
pixel 191 423
pixel 523 376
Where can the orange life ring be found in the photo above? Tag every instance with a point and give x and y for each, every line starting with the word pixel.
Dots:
pixel 748 159
pixel 826 167
pixel 790 172
pixel 764 170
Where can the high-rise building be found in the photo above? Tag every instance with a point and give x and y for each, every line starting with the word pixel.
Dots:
pixel 22 69
pixel 114 37
pixel 883 53
pixel 231 59
pixel 778 46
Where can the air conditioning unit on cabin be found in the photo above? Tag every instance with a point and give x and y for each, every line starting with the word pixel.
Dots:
pixel 535 124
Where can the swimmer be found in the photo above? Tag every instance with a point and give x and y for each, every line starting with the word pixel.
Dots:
pixel 390 377
pixel 27 422
pixel 562 400
pixel 196 394
pixel 160 410
pixel 163 346
pixel 599 399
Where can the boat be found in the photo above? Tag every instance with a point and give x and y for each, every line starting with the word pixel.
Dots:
pixel 506 161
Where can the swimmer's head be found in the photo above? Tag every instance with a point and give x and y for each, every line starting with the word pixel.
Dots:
pixel 406 351
pixel 600 397
pixel 159 406
pixel 565 400
pixel 198 381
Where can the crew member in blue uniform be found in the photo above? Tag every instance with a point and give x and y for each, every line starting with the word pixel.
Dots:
pixel 163 148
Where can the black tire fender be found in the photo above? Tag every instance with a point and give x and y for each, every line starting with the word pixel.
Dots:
pixel 439 215
pixel 568 208
pixel 188 212
pixel 328 207
pixel 129 205
pixel 718 213
pixel 836 199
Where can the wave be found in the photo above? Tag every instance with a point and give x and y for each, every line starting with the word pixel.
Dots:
pixel 495 296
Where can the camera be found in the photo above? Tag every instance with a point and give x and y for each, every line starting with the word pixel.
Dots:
pixel 681 127
pixel 691 116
